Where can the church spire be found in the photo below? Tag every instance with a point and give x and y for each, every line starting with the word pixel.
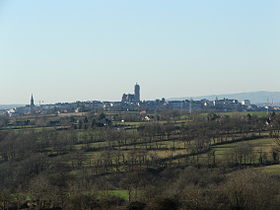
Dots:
pixel 32 104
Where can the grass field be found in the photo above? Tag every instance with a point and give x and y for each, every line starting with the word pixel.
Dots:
pixel 225 152
pixel 118 193
pixel 272 170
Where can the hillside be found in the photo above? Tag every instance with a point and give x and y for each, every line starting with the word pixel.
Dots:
pixel 9 106
pixel 259 97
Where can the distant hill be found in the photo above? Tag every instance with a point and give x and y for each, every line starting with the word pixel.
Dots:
pixel 259 97
pixel 9 106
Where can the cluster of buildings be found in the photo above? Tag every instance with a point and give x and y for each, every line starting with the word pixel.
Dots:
pixel 132 98
pixel 133 102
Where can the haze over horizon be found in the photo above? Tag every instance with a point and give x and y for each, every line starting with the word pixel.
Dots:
pixel 95 50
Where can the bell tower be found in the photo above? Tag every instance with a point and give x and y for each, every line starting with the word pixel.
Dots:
pixel 32 103
pixel 137 93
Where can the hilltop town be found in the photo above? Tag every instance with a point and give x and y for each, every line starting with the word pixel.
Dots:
pixel 133 102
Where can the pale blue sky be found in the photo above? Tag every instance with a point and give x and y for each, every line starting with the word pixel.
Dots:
pixel 66 50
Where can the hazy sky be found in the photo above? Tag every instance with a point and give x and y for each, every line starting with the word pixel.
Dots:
pixel 66 50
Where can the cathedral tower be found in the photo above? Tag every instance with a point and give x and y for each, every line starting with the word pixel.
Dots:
pixel 137 93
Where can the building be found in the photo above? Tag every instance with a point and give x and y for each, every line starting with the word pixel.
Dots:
pixel 32 103
pixel 132 98
pixel 246 102
pixel 137 92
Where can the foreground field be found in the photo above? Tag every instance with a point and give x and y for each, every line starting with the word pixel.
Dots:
pixel 96 160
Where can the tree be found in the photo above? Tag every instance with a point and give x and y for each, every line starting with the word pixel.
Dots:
pixel 136 205
pixel 163 204
pixel 276 132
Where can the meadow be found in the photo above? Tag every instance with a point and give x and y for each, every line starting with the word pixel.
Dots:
pixel 116 162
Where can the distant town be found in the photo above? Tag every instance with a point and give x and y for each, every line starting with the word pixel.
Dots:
pixel 133 102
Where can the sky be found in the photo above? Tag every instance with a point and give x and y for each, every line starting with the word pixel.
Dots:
pixel 69 50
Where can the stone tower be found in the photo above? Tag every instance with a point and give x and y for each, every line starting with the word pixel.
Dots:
pixel 32 103
pixel 137 93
